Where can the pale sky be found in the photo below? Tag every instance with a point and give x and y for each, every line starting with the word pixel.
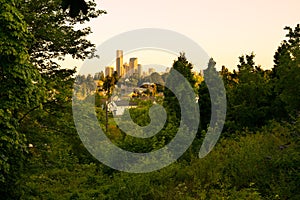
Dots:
pixel 224 29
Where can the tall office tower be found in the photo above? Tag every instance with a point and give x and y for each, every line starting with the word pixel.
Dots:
pixel 140 70
pixel 119 63
pixel 126 69
pixel 109 70
pixel 133 63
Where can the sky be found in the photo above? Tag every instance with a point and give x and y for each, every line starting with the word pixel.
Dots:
pixel 224 29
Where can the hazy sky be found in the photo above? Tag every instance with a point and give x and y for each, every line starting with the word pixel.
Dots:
pixel 224 29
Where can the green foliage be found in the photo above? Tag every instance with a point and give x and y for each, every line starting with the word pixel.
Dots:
pixel 250 95
pixel 264 165
pixel 205 106
pixel 171 103
pixel 75 7
pixel 140 116
pixel 212 99
pixel 286 71
pixel 54 32
pixel 109 84
pixel 35 92
pixel 21 89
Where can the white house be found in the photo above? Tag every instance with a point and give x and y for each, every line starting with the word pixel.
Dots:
pixel 118 107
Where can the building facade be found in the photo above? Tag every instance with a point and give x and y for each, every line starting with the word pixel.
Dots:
pixel 109 70
pixel 119 63
pixel 133 65
pixel 140 70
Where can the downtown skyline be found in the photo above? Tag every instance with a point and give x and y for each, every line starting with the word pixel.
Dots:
pixel 225 30
pixel 127 69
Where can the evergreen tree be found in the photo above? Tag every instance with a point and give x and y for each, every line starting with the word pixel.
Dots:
pixel 184 67
pixel 249 95
pixel 287 72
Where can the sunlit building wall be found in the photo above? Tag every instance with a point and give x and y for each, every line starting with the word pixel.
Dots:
pixel 109 70
pixel 133 65
pixel 119 63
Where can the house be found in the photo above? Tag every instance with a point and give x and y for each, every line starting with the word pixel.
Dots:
pixel 150 88
pixel 118 107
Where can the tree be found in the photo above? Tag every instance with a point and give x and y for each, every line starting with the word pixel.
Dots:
pixel 205 106
pixel 287 71
pixel 54 32
pixel 99 76
pixel 21 89
pixel 75 7
pixel 33 35
pixel 109 84
pixel 249 95
pixel 212 101
pixel 53 38
pixel 184 67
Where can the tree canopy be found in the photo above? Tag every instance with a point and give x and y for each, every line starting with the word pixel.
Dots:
pixel 32 35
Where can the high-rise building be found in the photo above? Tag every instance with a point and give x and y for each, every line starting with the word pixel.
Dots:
pixel 126 69
pixel 140 70
pixel 109 70
pixel 119 63
pixel 133 64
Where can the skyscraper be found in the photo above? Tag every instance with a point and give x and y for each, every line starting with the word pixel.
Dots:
pixel 133 64
pixel 109 70
pixel 126 69
pixel 119 63
pixel 140 70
